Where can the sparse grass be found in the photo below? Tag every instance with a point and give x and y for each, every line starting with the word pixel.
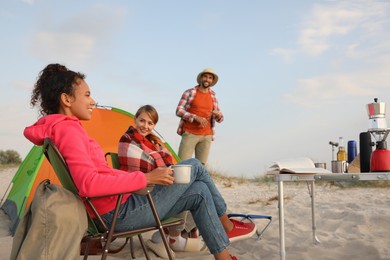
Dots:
pixel 227 181
pixel 7 166
pixel 264 179
pixel 268 201
pixel 217 176
pixel 256 201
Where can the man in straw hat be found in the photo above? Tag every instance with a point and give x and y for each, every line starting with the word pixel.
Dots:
pixel 199 110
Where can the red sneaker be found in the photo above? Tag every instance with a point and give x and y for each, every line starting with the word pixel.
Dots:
pixel 233 257
pixel 241 230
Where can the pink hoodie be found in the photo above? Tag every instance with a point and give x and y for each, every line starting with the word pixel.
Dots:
pixel 85 158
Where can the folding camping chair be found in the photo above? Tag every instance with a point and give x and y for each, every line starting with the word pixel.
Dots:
pixel 250 217
pixel 113 157
pixel 108 234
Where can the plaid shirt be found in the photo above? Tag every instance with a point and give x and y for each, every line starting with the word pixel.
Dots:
pixel 185 104
pixel 137 153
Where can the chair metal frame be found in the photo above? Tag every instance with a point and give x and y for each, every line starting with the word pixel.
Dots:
pixel 108 234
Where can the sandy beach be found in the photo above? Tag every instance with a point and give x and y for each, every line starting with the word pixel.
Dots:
pixel 352 223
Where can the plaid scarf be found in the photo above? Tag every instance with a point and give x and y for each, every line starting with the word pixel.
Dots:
pixel 137 153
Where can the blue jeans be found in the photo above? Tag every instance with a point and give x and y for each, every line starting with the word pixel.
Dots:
pixel 200 196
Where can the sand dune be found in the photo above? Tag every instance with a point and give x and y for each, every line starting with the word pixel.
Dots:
pixel 352 223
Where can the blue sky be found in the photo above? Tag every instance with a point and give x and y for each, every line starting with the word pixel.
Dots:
pixel 293 75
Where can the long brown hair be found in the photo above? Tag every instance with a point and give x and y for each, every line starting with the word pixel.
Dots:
pixel 152 113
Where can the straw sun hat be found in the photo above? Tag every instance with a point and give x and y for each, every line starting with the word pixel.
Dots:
pixel 210 71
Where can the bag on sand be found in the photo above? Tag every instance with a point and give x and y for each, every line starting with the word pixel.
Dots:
pixel 53 226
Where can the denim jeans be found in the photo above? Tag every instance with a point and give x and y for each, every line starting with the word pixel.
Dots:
pixel 200 196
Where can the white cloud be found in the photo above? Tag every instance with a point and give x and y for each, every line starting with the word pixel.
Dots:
pixel 77 39
pixel 340 26
pixel 352 51
pixel 355 36
pixel 312 92
pixel 324 22
pixel 286 54
pixel 63 46
pixel 99 20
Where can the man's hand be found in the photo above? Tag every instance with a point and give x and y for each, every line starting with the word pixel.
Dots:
pixel 161 176
pixel 217 114
pixel 202 121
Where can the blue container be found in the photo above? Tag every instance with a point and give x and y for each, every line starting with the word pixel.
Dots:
pixel 352 150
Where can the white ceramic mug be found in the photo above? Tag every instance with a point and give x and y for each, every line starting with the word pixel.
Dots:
pixel 182 173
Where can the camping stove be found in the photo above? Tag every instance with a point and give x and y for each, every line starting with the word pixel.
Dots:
pixel 380 158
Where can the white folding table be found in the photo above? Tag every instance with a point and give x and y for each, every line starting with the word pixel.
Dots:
pixel 280 178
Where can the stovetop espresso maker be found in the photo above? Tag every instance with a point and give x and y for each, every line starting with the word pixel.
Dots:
pixel 380 157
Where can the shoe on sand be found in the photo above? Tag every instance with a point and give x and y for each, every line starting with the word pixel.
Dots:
pixel 191 245
pixel 159 249
pixel 241 230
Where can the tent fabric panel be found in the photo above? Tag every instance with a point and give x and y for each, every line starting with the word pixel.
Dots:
pixel 107 126
pixel 21 186
pixel 45 172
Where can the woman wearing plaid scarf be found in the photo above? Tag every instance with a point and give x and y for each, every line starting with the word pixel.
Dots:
pixel 140 150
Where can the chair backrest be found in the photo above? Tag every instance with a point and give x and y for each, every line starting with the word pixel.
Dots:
pixel 59 165
pixel 114 159
pixel 116 165
pixel 62 171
